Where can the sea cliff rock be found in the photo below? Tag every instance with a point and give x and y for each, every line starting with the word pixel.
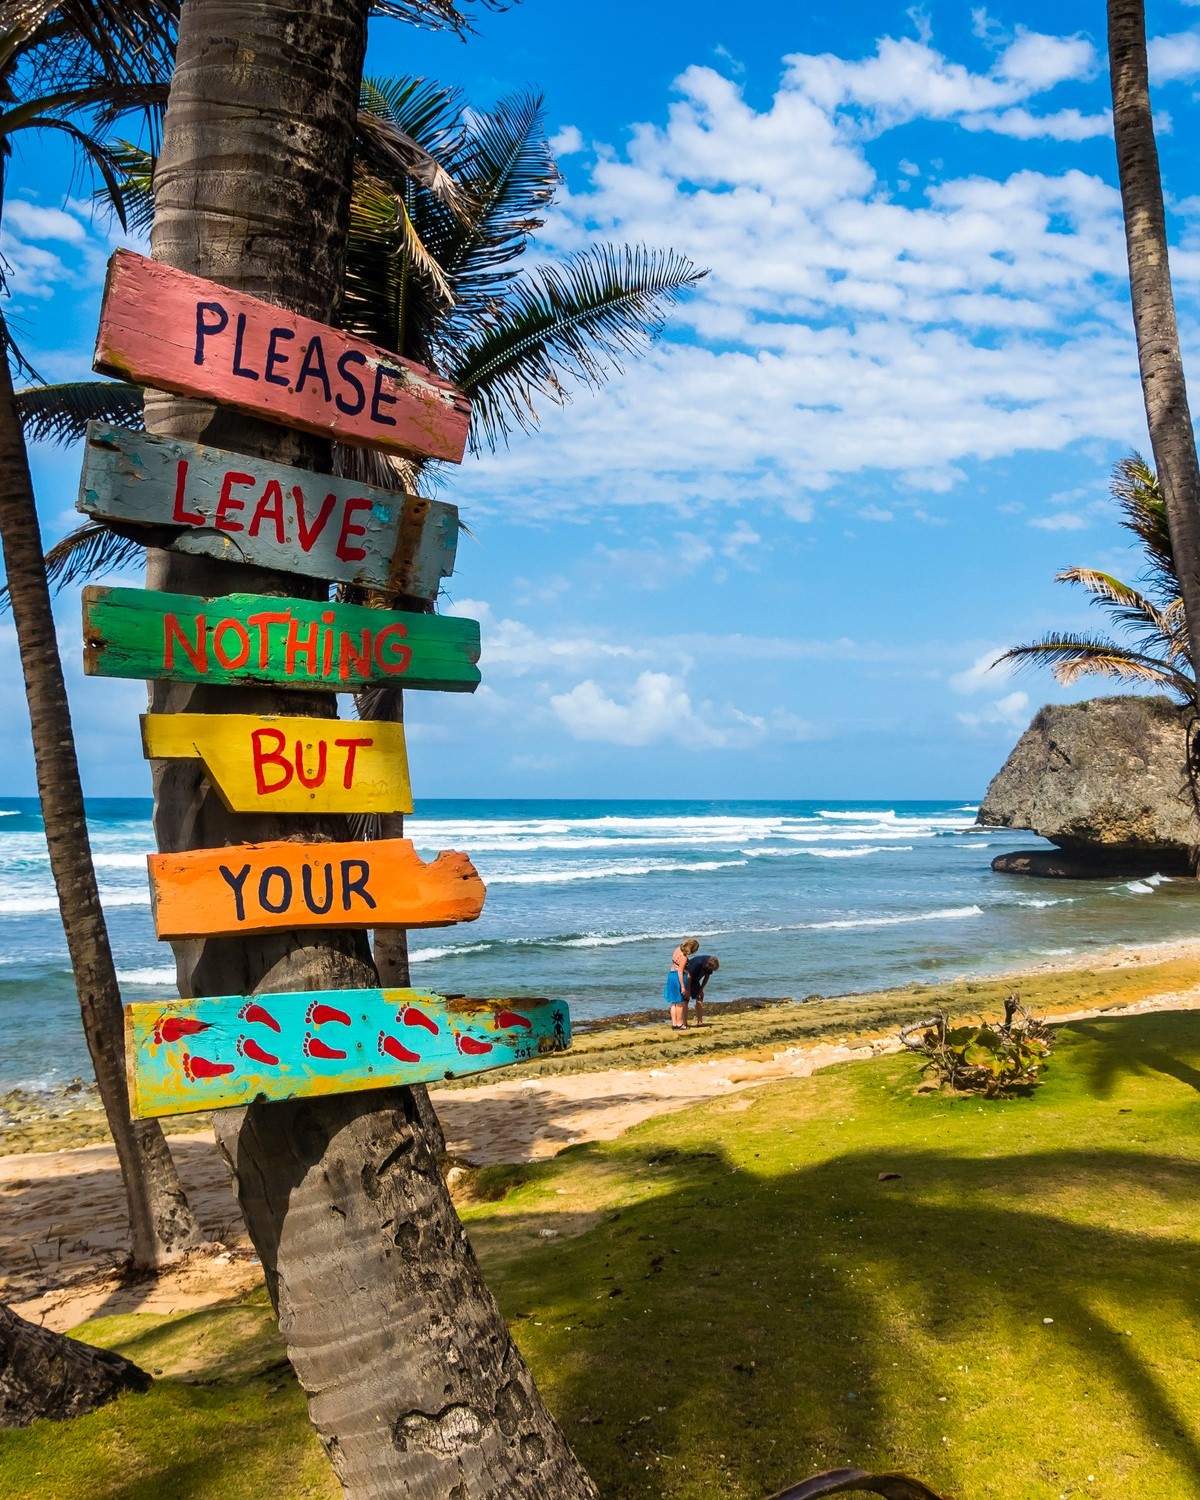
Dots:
pixel 1106 781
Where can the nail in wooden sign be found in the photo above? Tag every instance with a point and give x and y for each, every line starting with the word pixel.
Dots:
pixel 204 1054
pixel 238 509
pixel 289 765
pixel 164 328
pixel 257 887
pixel 258 638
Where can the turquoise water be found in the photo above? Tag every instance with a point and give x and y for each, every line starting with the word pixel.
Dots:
pixel 587 899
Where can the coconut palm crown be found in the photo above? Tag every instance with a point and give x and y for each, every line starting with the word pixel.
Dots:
pixel 1155 650
pixel 446 201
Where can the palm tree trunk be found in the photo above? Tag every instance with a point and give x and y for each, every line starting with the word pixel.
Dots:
pixel 162 1224
pixel 413 1382
pixel 1171 434
pixel 46 1374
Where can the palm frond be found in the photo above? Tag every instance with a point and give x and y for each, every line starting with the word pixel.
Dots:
pixel 433 15
pixel 428 111
pixel 135 173
pixel 385 257
pixel 88 551
pixel 1127 605
pixel 508 175
pixel 60 413
pixel 1136 489
pixel 579 319
pixel 1073 656
pixel 385 148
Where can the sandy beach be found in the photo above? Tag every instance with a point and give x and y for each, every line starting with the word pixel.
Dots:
pixel 62 1233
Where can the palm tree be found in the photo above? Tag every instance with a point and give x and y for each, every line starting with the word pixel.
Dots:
pixel 1157 652
pixel 414 1383
pixel 69 66
pixel 445 202
pixel 47 1374
pixel 1172 437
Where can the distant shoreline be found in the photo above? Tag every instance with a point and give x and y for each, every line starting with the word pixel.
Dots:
pixel 69 1114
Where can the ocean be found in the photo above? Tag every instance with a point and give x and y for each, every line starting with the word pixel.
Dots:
pixel 586 901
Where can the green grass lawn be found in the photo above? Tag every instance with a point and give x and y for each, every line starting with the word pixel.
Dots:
pixel 729 1298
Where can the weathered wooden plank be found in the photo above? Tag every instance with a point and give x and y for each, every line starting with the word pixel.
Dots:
pixel 261 763
pixel 258 638
pixel 257 887
pixel 186 1055
pixel 164 328
pixel 238 509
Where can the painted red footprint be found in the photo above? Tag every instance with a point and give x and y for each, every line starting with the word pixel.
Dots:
pixel 390 1047
pixel 318 1013
pixel 171 1028
pixel 511 1018
pixel 315 1047
pixel 254 1012
pixel 248 1047
pixel 471 1047
pixel 411 1016
pixel 197 1068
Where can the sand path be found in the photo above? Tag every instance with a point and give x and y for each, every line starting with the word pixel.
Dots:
pixel 62 1217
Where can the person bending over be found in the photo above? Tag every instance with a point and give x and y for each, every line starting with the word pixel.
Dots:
pixel 698 970
pixel 676 985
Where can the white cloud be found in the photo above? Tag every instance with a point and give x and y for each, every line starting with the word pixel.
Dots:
pixel 656 708
pixel 846 327
pixel 1066 520
pixel 982 673
pixel 32 222
pixel 568 141
pixel 45 248
pixel 1174 58
pixel 1007 713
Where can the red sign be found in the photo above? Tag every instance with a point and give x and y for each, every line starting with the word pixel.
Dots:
pixel 161 327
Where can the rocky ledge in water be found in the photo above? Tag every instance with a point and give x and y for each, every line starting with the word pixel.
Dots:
pixel 1106 781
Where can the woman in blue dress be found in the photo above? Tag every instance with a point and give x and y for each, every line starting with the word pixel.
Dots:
pixel 674 991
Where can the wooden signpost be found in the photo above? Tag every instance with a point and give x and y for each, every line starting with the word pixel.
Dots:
pixel 240 509
pixel 162 327
pixel 256 887
pixel 256 638
pixel 203 1054
pixel 261 763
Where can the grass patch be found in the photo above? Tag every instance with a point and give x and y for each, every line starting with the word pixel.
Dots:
pixel 728 1298
pixel 645 1039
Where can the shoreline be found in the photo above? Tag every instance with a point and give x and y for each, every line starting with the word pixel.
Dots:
pixel 72 1109
pixel 63 1237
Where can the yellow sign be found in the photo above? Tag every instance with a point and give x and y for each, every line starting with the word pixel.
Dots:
pixel 289 765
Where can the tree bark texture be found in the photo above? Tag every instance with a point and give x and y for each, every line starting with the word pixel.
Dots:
pixel 1172 437
pixel 162 1224
pixel 413 1383
pixel 45 1374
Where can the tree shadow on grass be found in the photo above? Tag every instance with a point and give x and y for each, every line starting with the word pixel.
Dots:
pixel 1161 1043
pixel 756 1328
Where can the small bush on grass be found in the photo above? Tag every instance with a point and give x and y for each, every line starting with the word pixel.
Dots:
pixel 996 1061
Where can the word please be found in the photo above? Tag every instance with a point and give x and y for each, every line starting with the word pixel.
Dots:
pixel 314 648
pixel 276 889
pixel 257 353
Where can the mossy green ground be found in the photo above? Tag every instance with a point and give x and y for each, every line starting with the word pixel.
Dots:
pixel 727 1299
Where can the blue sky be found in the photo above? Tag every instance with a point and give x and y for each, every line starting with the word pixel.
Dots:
pixel 768 559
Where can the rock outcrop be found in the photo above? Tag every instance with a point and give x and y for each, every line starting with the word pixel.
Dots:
pixel 1106 781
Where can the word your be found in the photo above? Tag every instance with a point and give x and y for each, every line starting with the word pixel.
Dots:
pixel 257 887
